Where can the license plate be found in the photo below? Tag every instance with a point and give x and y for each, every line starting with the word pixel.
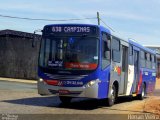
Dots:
pixel 63 92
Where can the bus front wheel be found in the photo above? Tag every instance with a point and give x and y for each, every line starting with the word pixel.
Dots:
pixel 111 100
pixel 65 99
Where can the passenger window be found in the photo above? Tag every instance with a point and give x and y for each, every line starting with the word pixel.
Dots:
pixel 116 56
pixel 116 50
pixel 148 62
pixel 130 50
pixel 115 44
pixel 142 54
pixel 130 54
pixel 153 61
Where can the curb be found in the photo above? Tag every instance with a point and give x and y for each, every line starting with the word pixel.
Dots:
pixel 18 80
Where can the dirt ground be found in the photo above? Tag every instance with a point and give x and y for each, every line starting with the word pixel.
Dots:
pixel 151 104
pixel 158 83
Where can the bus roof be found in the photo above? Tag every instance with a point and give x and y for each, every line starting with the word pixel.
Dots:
pixel 141 46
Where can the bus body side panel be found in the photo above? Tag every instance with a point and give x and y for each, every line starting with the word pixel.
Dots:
pixel 104 84
pixel 153 78
pixel 150 82
pixel 114 76
pixel 149 78
pixel 145 79
pixel 147 69
pixel 116 67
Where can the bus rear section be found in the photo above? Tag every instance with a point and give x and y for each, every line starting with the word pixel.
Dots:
pixel 143 68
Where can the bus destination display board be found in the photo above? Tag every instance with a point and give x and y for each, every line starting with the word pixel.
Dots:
pixel 71 30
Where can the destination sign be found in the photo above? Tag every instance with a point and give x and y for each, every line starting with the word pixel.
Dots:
pixel 71 30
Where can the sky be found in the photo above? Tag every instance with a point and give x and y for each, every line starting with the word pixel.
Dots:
pixel 135 19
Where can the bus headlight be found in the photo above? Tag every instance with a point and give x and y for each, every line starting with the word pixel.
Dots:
pixel 40 80
pixel 91 83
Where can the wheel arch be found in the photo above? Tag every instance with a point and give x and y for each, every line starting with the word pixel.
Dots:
pixel 116 84
pixel 145 85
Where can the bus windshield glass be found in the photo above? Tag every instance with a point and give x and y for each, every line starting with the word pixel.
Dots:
pixel 69 53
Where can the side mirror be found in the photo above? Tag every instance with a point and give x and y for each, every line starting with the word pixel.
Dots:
pixel 34 37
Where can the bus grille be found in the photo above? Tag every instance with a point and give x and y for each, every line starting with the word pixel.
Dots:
pixel 66 77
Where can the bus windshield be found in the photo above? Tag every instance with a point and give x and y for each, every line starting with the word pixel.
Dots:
pixel 69 53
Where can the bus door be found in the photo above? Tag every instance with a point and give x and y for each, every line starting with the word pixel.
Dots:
pixel 136 70
pixel 124 72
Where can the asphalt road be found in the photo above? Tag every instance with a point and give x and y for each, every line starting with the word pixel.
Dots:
pixel 21 98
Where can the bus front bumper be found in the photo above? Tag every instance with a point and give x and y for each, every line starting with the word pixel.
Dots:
pixel 88 91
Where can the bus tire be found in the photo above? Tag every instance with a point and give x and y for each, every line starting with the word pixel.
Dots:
pixel 111 100
pixel 143 93
pixel 65 99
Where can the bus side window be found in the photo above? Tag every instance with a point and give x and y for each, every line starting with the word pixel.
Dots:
pixel 116 50
pixel 153 62
pixel 130 54
pixel 147 55
pixel 142 57
pixel 105 50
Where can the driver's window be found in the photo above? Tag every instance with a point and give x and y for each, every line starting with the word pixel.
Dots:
pixel 105 50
